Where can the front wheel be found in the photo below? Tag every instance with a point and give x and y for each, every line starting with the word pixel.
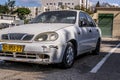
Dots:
pixel 69 56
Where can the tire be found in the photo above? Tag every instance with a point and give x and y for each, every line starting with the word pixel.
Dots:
pixel 97 49
pixel 69 56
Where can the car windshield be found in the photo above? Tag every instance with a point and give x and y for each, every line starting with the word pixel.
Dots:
pixel 56 17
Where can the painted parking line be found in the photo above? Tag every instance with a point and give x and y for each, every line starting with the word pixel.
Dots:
pixel 99 65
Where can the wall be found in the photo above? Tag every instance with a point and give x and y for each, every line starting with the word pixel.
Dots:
pixel 116 20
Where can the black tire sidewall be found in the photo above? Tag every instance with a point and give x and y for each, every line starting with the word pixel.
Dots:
pixel 97 49
pixel 64 61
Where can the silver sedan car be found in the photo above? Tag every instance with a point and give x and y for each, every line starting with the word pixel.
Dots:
pixel 52 37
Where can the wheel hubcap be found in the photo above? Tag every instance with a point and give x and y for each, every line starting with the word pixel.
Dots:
pixel 70 56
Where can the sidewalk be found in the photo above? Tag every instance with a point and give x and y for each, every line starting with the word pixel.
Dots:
pixel 110 39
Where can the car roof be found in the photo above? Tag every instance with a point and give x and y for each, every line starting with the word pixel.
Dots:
pixel 70 10
pixel 67 10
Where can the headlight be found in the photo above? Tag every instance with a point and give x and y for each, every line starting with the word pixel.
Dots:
pixel 48 36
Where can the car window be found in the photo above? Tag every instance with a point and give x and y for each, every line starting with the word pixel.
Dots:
pixel 56 17
pixel 83 22
pixel 91 23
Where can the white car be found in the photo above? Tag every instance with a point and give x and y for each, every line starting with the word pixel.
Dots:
pixel 52 37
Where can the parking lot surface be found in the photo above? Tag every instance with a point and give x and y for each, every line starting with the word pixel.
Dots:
pixel 109 70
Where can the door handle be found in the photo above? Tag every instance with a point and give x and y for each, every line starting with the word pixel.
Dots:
pixel 97 30
pixel 79 33
pixel 90 30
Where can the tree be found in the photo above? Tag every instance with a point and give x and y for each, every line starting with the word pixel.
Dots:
pixel 89 11
pixel 83 8
pixel 78 7
pixel 4 9
pixel 97 5
pixel 8 7
pixel 62 7
pixel 22 13
pixel 10 4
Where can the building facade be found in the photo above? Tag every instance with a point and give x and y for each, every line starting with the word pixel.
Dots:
pixel 49 5
pixel 109 21
pixel 33 12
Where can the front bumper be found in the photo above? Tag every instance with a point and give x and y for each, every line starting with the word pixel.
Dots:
pixel 40 53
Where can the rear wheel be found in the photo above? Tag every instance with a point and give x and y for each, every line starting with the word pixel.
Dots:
pixel 97 49
pixel 69 56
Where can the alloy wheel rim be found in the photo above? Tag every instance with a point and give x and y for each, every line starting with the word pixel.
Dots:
pixel 70 56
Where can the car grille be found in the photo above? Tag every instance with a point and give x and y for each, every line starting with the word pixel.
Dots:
pixel 19 55
pixel 17 36
pixel 24 55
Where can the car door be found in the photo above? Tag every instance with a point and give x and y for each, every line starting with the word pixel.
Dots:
pixel 85 36
pixel 93 31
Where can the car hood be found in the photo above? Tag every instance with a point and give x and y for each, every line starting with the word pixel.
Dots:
pixel 35 28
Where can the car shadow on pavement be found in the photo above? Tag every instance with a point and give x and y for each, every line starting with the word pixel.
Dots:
pixel 80 63
pixel 26 67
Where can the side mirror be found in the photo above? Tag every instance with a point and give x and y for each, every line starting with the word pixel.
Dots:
pixel 91 24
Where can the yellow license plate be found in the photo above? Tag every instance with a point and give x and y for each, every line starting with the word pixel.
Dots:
pixel 12 48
